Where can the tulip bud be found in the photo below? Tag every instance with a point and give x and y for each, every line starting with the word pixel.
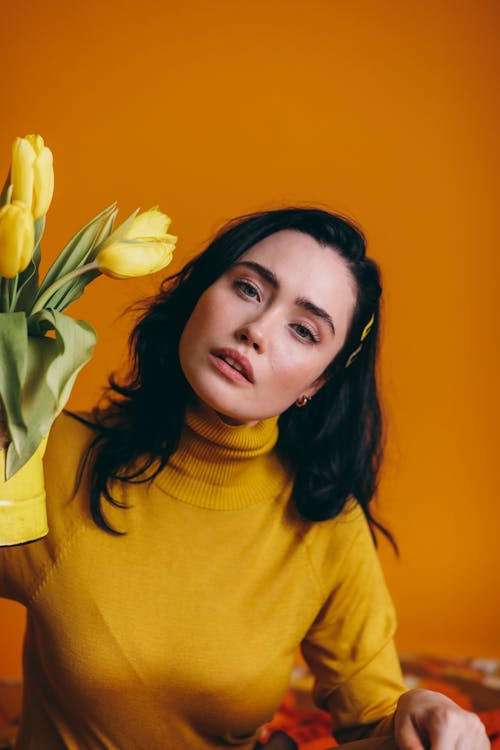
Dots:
pixel 21 172
pixel 32 174
pixel 17 237
pixel 144 248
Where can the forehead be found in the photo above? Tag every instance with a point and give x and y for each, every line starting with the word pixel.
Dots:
pixel 304 266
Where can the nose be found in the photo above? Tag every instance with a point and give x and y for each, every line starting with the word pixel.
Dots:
pixel 252 335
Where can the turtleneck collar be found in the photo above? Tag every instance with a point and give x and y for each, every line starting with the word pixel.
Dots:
pixel 224 467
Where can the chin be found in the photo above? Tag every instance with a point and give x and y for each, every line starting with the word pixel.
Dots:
pixel 220 405
pixel 231 416
pixel 228 415
pixel 237 421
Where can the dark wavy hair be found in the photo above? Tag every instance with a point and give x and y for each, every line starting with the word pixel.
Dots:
pixel 334 445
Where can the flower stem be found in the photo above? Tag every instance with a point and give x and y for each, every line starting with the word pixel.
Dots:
pixel 39 304
pixel 5 295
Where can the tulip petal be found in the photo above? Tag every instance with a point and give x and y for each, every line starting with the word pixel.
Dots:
pixel 17 237
pixel 36 142
pixel 125 260
pixel 43 186
pixel 23 157
pixel 152 223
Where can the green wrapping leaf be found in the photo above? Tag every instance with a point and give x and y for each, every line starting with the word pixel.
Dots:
pixel 77 252
pixel 39 374
pixel 13 355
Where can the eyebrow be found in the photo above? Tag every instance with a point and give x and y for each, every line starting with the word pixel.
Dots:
pixel 272 279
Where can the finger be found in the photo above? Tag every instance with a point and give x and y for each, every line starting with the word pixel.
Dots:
pixel 408 737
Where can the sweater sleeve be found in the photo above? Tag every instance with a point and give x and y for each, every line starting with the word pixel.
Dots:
pixel 350 647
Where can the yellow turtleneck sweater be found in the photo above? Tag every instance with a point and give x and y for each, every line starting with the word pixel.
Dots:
pixel 182 632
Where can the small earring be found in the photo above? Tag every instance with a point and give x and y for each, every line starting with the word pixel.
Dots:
pixel 302 401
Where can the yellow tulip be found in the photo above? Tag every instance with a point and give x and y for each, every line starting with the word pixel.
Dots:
pixel 32 174
pixel 144 248
pixel 21 172
pixel 124 260
pixel 17 237
pixel 152 223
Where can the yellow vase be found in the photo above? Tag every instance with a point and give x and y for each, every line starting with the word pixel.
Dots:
pixel 23 515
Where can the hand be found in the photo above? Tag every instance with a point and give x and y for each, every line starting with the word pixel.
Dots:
pixel 426 720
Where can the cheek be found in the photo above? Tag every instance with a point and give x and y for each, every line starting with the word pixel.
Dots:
pixel 211 309
pixel 296 369
pixel 190 337
pixel 202 327
pixel 199 322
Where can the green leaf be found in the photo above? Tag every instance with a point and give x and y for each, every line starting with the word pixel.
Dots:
pixel 13 355
pixel 71 291
pixel 106 230
pixel 68 293
pixel 76 252
pixel 12 292
pixel 25 290
pixel 39 374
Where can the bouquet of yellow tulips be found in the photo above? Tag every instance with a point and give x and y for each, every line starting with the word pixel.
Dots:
pixel 41 349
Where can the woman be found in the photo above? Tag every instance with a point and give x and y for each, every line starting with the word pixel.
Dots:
pixel 230 480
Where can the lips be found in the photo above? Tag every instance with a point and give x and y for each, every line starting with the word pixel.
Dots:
pixel 238 362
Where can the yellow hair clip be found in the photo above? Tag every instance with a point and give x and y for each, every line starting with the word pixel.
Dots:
pixel 353 356
pixel 367 328
pixel 366 331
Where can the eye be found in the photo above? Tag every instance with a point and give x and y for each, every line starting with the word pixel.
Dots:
pixel 305 333
pixel 247 289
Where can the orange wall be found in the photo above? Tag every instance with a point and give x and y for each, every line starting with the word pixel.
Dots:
pixel 385 110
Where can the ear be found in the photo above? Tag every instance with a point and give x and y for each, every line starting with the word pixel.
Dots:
pixel 314 387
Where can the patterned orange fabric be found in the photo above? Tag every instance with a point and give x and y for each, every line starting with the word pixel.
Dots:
pixel 472 683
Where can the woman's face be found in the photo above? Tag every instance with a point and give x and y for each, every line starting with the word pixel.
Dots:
pixel 263 334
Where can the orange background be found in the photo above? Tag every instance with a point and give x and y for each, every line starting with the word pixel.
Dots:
pixel 386 111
